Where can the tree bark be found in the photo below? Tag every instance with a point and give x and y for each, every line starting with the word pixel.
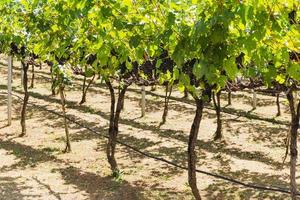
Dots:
pixel 110 155
pixel 85 89
pixel 22 74
pixel 63 106
pixel 295 115
pixel 217 105
pixel 32 77
pixel 229 98
pixel 191 149
pixel 114 126
pixel 25 99
pixel 278 105
pixel 186 94
pixel 83 99
pixel 166 107
pixel 53 80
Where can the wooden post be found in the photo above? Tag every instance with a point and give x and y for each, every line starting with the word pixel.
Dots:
pixel 143 103
pixel 9 89
pixel 12 65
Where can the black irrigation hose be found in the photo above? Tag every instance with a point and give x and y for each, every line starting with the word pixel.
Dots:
pixel 248 185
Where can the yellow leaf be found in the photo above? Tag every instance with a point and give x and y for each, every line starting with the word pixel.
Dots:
pixel 127 2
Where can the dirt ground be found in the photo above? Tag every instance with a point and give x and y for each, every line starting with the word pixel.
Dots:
pixel 34 167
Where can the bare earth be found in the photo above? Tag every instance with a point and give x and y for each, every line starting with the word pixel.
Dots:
pixel 34 167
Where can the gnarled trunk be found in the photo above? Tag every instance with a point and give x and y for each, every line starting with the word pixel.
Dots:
pixel 217 105
pixel 25 67
pixel 85 89
pixel 229 98
pixel 278 105
pixel 295 115
pixel 114 125
pixel 83 98
pixel 53 80
pixel 63 106
pixel 191 149
pixel 110 155
pixel 186 94
pixel 166 107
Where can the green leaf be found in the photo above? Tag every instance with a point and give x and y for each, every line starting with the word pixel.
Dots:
pixel 158 63
pixel 250 44
pixel 181 87
pixel 294 71
pixel 134 41
pixel 199 69
pixel 178 54
pixel 230 68
pixel 106 12
pixel 184 79
pixel 89 72
pixel 171 18
pixel 175 74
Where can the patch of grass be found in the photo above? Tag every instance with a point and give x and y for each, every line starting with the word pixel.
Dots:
pixel 89 110
pixel 163 195
pixel 118 176
pixel 50 149
pixel 17 152
pixel 187 187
